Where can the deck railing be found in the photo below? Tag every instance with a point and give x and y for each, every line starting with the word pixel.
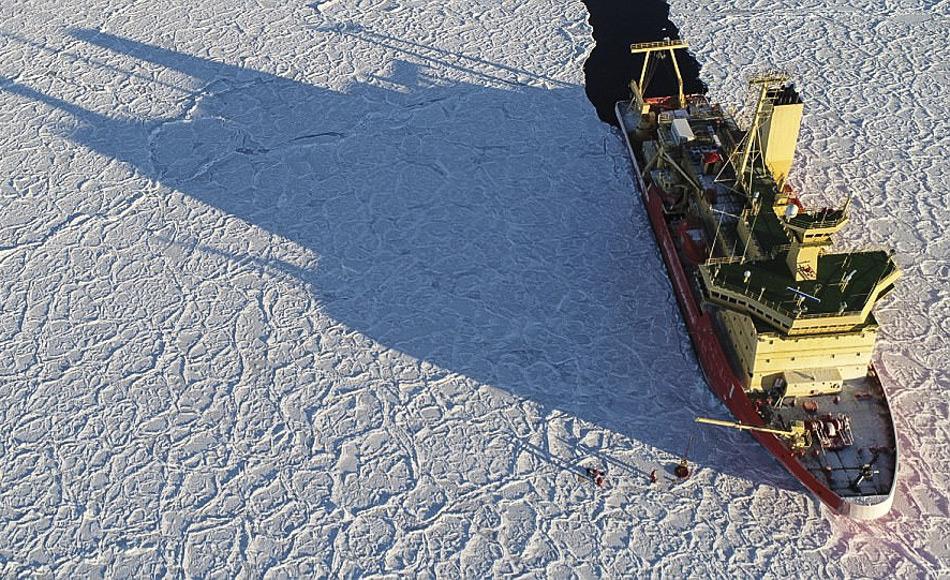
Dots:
pixel 778 313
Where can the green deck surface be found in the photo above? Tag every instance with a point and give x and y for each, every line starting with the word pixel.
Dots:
pixel 774 276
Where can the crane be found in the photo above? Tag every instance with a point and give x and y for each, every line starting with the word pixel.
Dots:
pixel 646 48
pixel 798 437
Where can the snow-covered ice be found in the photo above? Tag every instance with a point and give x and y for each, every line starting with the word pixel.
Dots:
pixel 350 288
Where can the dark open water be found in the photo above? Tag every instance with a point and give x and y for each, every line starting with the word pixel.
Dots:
pixel 617 24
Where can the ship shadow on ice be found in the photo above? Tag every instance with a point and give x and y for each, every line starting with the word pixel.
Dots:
pixel 446 225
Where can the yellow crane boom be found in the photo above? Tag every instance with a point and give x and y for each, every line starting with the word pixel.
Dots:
pixel 799 438
pixel 743 426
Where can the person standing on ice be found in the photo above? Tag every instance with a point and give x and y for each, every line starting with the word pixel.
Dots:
pixel 596 475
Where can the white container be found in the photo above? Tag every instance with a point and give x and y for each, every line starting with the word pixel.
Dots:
pixel 682 131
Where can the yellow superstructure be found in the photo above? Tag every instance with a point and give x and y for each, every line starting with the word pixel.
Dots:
pixel 809 364
pixel 798 315
pixel 779 134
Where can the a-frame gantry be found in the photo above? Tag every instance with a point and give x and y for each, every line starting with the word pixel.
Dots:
pixel 648 48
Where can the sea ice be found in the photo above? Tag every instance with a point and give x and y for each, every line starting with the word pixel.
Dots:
pixel 354 287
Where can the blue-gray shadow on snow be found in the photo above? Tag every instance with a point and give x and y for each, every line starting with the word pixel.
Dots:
pixel 531 289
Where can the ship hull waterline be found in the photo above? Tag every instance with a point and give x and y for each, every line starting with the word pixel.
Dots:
pixel 715 365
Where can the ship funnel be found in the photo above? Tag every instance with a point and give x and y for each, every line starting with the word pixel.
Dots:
pixel 779 134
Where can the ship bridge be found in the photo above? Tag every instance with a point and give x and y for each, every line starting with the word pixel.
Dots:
pixel 839 298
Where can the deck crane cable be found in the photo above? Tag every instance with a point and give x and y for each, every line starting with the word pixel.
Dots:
pixel 650 70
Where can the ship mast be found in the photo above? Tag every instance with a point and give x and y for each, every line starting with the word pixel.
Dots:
pixel 751 146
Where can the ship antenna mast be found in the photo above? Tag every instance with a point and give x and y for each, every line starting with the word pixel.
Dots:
pixel 763 110
pixel 646 48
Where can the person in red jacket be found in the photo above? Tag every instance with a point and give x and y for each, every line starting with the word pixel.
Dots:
pixel 597 476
